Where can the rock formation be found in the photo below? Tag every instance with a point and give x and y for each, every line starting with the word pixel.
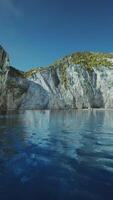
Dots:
pixel 81 80
pixel 4 63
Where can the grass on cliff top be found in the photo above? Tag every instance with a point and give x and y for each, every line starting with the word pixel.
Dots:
pixel 92 60
pixel 35 70
pixel 87 59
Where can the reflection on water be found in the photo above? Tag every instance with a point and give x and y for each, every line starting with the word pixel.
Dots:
pixel 61 155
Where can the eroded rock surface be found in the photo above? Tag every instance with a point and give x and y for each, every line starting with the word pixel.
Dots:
pixel 81 80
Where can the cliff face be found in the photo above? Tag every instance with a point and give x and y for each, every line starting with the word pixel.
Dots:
pixel 16 91
pixel 23 93
pixel 4 63
pixel 82 80
pixel 79 81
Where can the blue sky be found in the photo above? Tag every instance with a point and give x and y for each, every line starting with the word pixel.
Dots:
pixel 38 32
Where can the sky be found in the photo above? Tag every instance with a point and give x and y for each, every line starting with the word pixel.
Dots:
pixel 38 32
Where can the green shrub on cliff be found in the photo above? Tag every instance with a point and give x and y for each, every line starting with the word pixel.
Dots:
pixel 91 60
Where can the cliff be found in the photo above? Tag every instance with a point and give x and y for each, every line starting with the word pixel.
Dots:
pixel 81 80
pixel 4 63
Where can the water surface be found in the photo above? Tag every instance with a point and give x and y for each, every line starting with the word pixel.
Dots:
pixel 62 155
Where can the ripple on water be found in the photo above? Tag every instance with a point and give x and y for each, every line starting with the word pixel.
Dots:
pixel 56 155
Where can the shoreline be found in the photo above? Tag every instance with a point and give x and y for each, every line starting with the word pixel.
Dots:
pixel 56 110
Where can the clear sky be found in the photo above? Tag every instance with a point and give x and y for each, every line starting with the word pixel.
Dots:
pixel 38 32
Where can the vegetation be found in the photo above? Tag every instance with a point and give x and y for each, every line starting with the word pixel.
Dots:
pixel 91 60
pixel 63 70
pixel 15 72
pixel 86 59
pixel 34 71
pixel 62 66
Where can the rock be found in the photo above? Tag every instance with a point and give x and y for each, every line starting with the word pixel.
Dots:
pixel 23 93
pixel 35 98
pixel 79 81
pixel 4 64
pixel 79 84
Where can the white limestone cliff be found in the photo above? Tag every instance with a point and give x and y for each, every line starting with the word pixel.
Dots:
pixel 79 81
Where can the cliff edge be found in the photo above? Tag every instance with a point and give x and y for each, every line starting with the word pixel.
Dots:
pixel 78 81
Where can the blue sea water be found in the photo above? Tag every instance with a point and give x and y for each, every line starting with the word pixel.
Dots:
pixel 56 155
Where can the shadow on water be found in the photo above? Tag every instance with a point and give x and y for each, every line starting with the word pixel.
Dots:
pixel 57 155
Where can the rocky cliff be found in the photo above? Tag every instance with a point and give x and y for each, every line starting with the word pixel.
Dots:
pixel 4 63
pixel 81 80
pixel 16 91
